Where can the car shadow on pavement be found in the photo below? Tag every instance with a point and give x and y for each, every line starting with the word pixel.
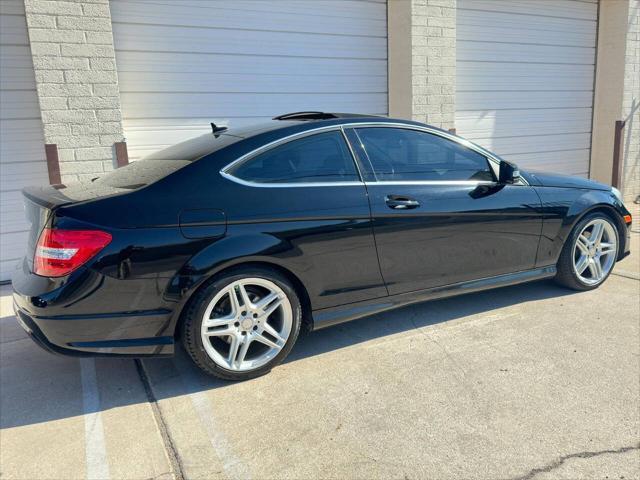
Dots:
pixel 422 315
pixel 36 386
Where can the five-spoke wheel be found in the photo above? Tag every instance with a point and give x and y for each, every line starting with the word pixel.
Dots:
pixel 595 251
pixel 242 324
pixel 246 324
pixel 589 254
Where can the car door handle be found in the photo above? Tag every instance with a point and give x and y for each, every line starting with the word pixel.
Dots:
pixel 401 202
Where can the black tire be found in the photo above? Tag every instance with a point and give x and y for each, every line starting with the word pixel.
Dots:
pixel 566 274
pixel 194 315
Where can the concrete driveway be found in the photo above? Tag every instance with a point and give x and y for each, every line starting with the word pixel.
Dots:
pixel 525 382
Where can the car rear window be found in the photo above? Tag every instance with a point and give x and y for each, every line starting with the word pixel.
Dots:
pixel 323 157
pixel 164 162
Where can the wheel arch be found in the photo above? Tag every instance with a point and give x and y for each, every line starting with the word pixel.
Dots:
pixel 610 211
pixel 301 291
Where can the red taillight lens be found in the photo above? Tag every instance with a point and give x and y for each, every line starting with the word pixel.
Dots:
pixel 60 252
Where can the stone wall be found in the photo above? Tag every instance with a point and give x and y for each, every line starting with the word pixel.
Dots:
pixel 433 34
pixel 77 82
pixel 422 60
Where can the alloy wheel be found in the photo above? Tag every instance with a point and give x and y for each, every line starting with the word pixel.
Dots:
pixel 246 324
pixel 594 252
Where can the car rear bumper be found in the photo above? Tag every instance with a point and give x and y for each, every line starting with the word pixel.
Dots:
pixel 64 343
pixel 61 318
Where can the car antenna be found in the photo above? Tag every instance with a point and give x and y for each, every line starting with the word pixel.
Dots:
pixel 215 129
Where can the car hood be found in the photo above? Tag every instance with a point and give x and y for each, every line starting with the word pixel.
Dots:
pixel 545 179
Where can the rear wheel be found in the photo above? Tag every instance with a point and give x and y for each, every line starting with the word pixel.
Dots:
pixel 242 324
pixel 589 254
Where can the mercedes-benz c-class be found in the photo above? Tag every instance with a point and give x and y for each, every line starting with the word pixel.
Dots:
pixel 234 241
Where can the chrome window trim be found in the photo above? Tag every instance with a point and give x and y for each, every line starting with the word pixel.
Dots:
pixel 248 156
pixel 432 182
pixel 289 185
pixel 341 127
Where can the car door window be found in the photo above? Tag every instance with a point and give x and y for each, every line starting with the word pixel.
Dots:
pixel 398 154
pixel 323 157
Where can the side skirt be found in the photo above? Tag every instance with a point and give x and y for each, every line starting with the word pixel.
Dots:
pixel 327 317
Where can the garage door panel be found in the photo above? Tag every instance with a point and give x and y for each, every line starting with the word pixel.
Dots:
pixel 234 82
pixel 131 65
pixel 536 143
pixel 203 40
pixel 203 104
pixel 472 14
pixel 184 64
pixel 526 35
pixel 227 15
pixel 575 162
pixel 16 68
pixel 510 123
pixel 547 8
pixel 7 267
pixel 18 104
pixel 524 80
pixel 12 29
pixel 509 52
pixel 12 211
pixel 12 245
pixel 12 7
pixel 372 9
pixel 21 138
pixel 498 76
pixel 19 174
pixel 522 100
pixel 23 141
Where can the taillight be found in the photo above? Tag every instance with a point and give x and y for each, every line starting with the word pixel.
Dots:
pixel 60 252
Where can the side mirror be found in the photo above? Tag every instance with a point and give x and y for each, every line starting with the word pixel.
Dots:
pixel 509 172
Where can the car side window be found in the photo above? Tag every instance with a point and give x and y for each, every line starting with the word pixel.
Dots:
pixel 323 157
pixel 398 154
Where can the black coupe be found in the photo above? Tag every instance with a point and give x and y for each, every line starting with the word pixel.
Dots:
pixel 235 240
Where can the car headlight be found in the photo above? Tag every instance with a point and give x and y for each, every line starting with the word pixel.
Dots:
pixel 617 193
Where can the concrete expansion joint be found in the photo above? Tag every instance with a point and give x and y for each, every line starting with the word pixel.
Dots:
pixel 170 449
pixel 560 461
pixel 624 274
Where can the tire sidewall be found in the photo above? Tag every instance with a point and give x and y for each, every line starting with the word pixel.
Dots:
pixel 193 323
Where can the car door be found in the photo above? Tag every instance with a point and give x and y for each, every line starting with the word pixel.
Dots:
pixel 439 215
pixel 303 203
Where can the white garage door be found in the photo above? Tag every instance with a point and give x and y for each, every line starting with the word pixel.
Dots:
pixel 525 75
pixel 185 63
pixel 22 159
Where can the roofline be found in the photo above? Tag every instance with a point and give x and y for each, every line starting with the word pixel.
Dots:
pixel 299 125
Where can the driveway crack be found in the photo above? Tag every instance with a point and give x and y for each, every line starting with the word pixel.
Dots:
pixel 560 461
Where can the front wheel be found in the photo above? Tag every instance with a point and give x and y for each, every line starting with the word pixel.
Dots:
pixel 589 254
pixel 242 324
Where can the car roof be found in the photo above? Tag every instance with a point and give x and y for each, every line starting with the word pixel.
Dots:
pixel 266 132
pixel 301 121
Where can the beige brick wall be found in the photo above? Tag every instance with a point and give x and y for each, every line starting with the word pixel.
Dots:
pixel 433 34
pixel 77 83
pixel 631 104
pixel 422 60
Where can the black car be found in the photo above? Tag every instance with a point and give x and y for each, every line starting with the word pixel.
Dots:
pixel 235 240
